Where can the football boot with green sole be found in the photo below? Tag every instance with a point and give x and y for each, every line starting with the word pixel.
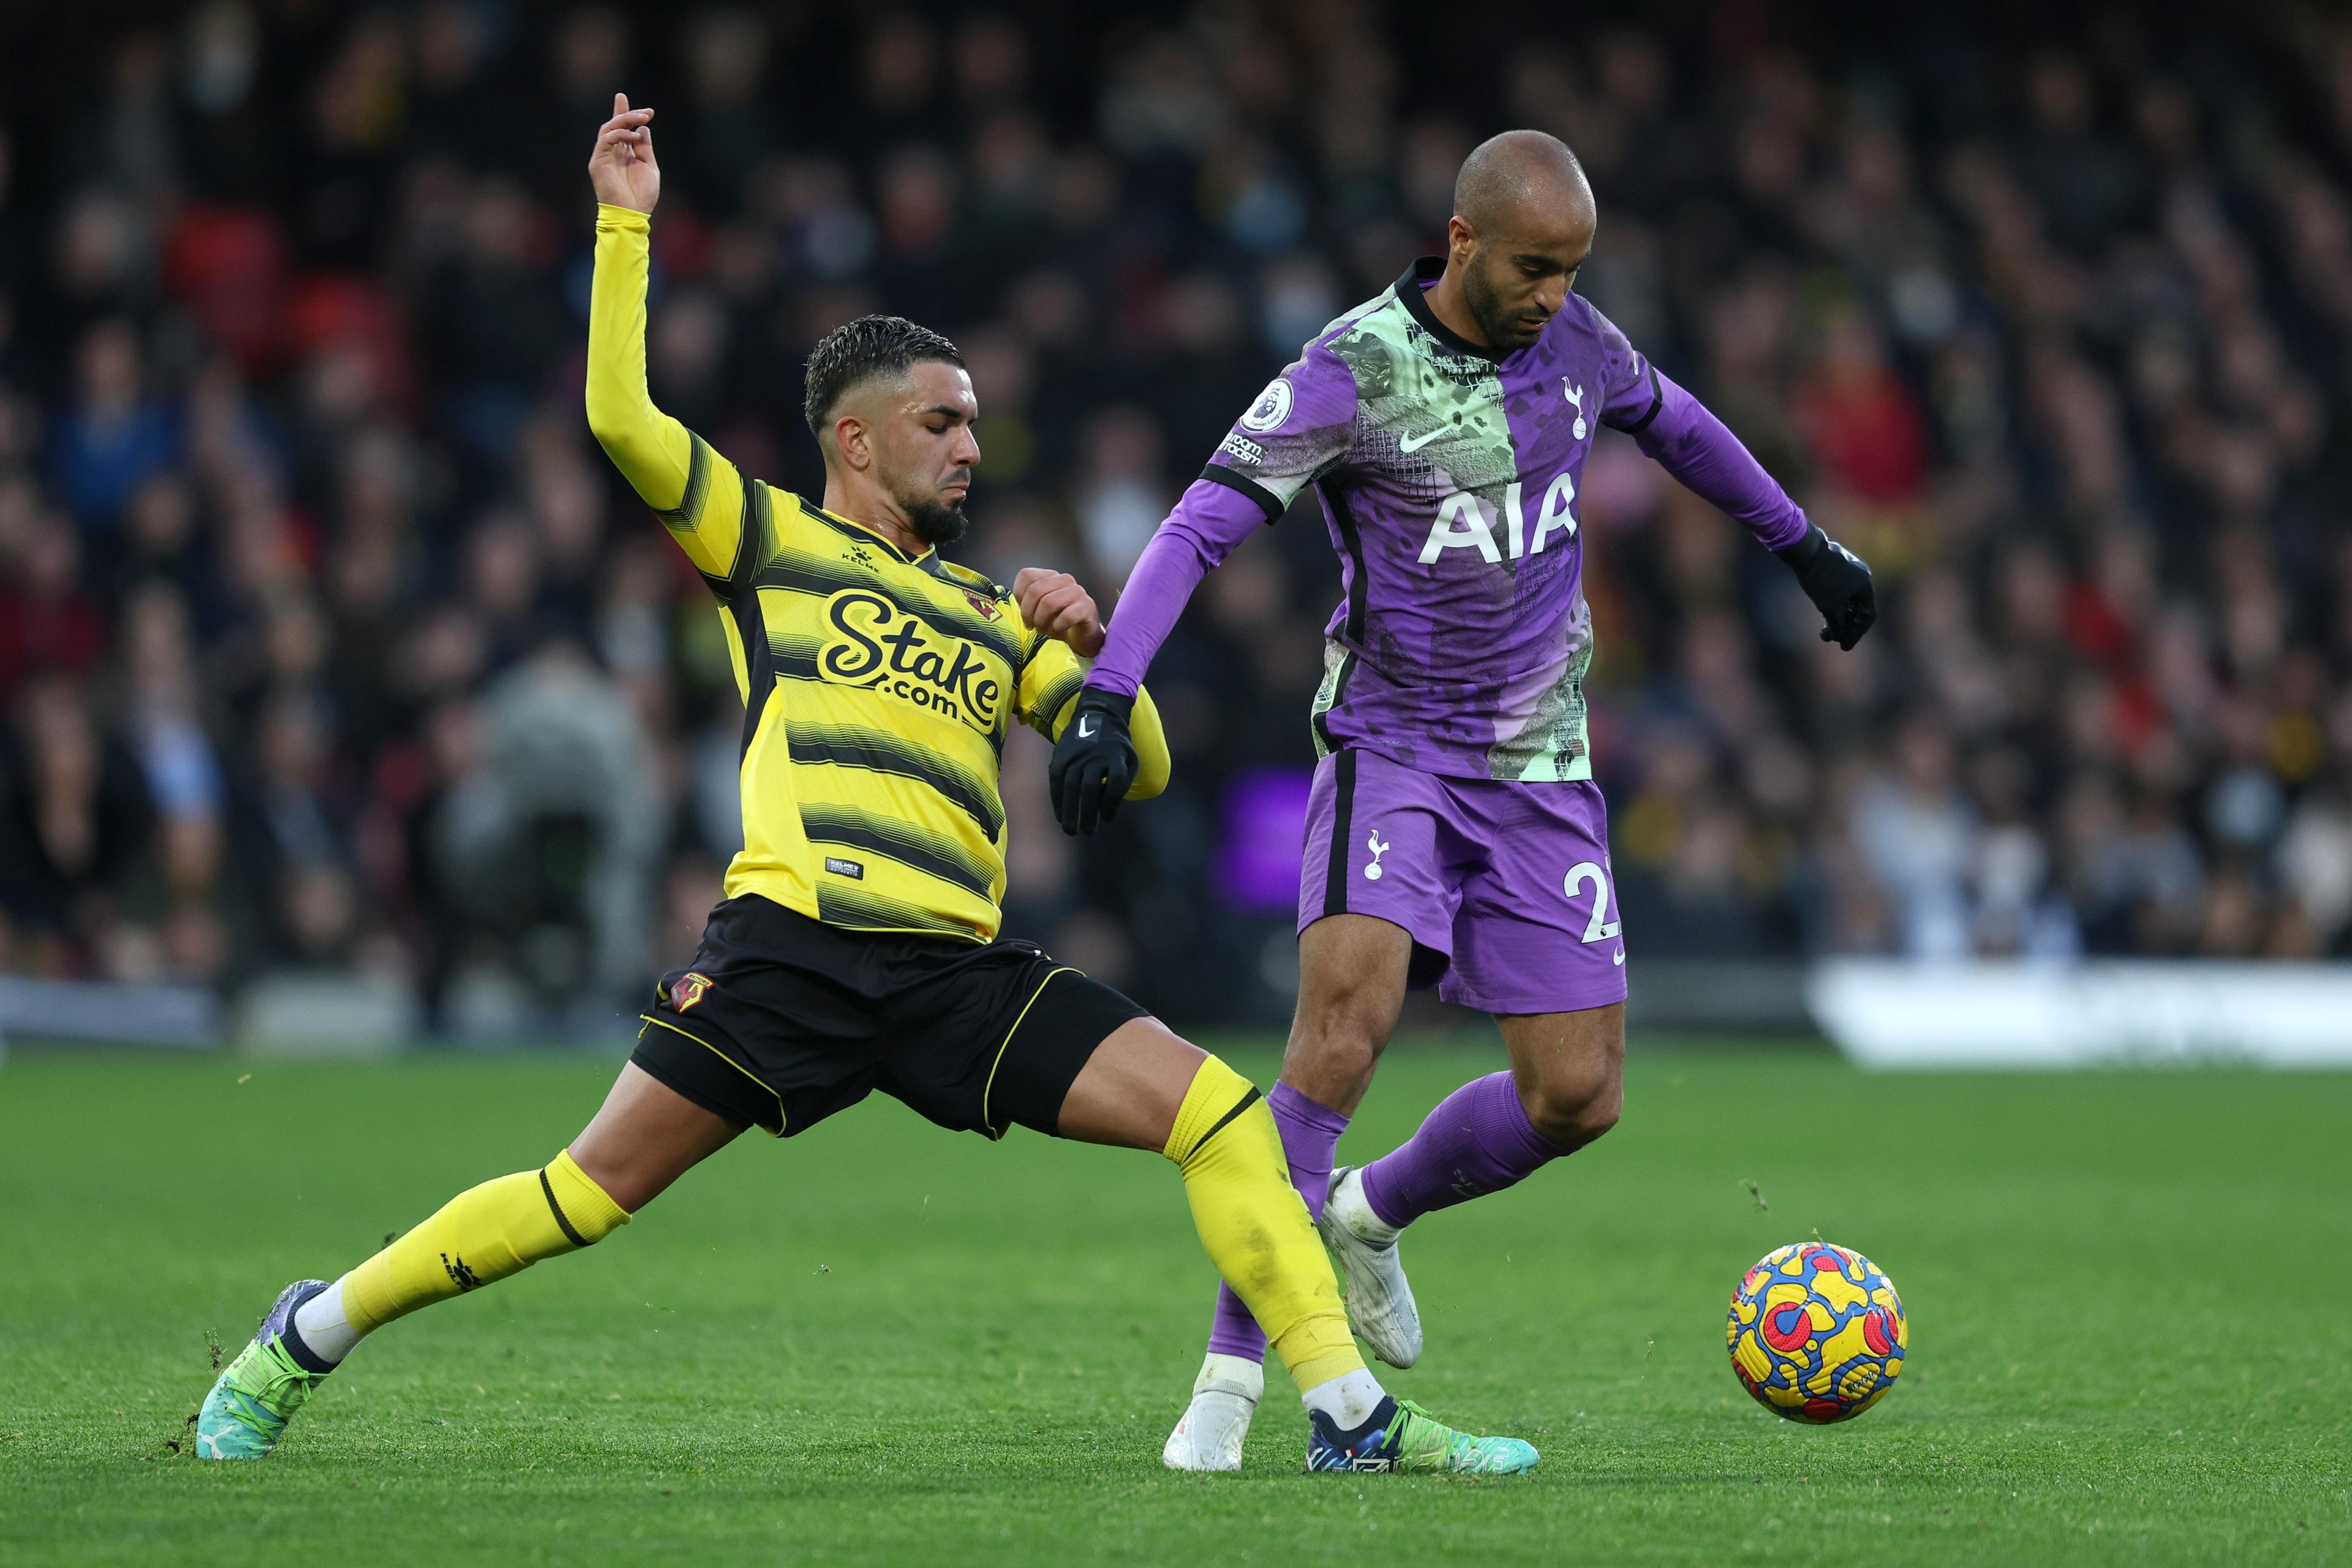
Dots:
pixel 1404 1438
pixel 248 1409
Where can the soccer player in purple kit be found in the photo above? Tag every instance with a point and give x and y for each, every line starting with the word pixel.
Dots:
pixel 1454 836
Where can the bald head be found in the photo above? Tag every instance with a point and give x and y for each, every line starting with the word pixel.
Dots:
pixel 1519 182
pixel 1523 223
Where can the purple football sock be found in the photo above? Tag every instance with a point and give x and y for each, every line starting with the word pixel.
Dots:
pixel 1477 1141
pixel 1311 1132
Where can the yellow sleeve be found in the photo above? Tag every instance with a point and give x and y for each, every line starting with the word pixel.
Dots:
pixel 1049 690
pixel 697 493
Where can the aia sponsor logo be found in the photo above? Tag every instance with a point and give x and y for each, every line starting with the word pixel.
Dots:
pixel 1467 520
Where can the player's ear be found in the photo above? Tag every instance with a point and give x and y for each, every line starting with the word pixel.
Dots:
pixel 852 442
pixel 1460 237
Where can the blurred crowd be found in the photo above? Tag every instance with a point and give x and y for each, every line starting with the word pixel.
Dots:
pixel 329 643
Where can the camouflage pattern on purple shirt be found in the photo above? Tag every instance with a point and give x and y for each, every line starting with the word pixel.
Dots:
pixel 1448 477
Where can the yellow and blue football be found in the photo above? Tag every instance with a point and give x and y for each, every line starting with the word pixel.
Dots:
pixel 1816 1332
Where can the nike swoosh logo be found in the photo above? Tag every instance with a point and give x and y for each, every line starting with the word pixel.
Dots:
pixel 1415 443
pixel 1620 958
pixel 1087 726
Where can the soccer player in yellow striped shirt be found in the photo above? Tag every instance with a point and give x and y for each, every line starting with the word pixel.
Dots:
pixel 855 947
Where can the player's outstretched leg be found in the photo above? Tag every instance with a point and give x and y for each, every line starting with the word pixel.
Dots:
pixel 644 1138
pixel 1223 1140
pixel 479 1236
pixel 1257 1233
pixel 248 1409
pixel 1209 1435
pixel 1352 973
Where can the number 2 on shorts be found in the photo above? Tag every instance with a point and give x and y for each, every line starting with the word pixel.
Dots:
pixel 1600 928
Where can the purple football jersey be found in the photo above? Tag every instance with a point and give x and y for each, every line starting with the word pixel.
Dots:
pixel 1447 475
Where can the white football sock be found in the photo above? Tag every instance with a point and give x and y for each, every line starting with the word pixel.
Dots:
pixel 1230 1374
pixel 1348 1399
pixel 1346 1204
pixel 326 1333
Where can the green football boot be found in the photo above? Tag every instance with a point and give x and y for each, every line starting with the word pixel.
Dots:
pixel 247 1412
pixel 1404 1438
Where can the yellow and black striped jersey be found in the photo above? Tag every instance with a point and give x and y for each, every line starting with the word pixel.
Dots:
pixel 877 686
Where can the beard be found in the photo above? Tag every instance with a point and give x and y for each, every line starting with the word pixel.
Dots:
pixel 1496 321
pixel 935 522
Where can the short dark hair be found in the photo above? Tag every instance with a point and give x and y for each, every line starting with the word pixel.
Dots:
pixel 860 349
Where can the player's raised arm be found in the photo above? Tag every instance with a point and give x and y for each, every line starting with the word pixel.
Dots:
pixel 699 495
pixel 1677 432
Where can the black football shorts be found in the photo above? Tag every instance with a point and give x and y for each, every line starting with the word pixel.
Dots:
pixel 782 1020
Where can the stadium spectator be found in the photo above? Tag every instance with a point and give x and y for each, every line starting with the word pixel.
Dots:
pixel 296 521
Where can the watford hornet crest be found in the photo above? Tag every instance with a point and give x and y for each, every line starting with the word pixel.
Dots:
pixel 688 990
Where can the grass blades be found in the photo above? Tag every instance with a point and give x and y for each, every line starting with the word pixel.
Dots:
pixel 883 1343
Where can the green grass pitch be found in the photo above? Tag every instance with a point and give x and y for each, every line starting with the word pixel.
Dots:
pixel 2130 1299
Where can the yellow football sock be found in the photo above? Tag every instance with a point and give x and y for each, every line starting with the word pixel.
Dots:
pixel 1256 1227
pixel 482 1234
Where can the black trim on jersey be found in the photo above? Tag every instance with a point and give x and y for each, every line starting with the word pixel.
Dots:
pixel 1267 503
pixel 827 823
pixel 1415 297
pixel 879 752
pixel 858 532
pixel 793 659
pixel 1050 701
pixel 1354 540
pixel 1657 401
pixel 698 482
pixel 758 665
pixel 759 525
pixel 965 578
pixel 853 910
pixel 1335 874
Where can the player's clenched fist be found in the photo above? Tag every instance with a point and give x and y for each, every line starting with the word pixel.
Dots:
pixel 621 168
pixel 1053 604
pixel 1838 583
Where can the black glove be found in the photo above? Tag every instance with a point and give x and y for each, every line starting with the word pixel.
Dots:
pixel 1838 583
pixel 1094 761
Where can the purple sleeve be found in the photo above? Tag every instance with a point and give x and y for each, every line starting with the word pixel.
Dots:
pixel 1206 525
pixel 1675 430
pixel 1301 425
pixel 1694 447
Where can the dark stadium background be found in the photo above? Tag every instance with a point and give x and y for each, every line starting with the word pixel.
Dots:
pixel 331 646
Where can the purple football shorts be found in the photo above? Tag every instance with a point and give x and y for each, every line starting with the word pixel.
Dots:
pixel 1504 886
